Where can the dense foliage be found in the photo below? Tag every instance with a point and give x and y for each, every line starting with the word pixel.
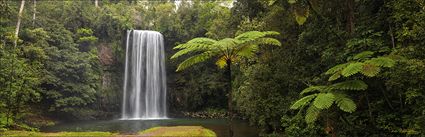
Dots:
pixel 345 68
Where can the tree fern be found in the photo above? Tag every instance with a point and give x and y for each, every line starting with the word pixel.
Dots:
pixel 324 100
pixel 226 50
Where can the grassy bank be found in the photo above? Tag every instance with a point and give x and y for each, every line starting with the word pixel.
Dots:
pixel 178 131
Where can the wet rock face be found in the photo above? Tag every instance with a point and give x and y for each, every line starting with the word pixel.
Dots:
pixel 106 56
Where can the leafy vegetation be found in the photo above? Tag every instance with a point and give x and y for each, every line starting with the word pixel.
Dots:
pixel 339 68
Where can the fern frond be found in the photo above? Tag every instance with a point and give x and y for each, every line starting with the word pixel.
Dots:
pixel 226 44
pixel 312 114
pixel 271 33
pixel 370 70
pixel 221 62
pixel 196 42
pixel 350 85
pixel 336 68
pixel 303 101
pixel 344 103
pixel 254 35
pixel 352 68
pixel 313 88
pixel 324 100
pixel 195 59
pixel 250 35
pixel 381 62
pixel 183 52
pixel 335 76
pixel 269 41
pixel 363 55
pixel 247 51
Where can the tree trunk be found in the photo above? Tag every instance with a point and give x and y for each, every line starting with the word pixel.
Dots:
pixel 229 96
pixel 34 12
pixel 96 3
pixel 18 24
pixel 350 16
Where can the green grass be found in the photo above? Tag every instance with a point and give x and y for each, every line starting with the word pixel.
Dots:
pixel 59 134
pixel 178 131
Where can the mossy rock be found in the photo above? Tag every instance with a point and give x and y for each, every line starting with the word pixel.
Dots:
pixel 176 131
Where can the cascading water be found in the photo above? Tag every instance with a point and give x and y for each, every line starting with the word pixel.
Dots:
pixel 144 79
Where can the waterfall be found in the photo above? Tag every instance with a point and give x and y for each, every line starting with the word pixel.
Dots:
pixel 144 86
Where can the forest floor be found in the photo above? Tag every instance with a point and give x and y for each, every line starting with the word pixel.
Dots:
pixel 155 131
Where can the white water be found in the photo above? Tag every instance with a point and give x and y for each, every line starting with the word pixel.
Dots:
pixel 144 87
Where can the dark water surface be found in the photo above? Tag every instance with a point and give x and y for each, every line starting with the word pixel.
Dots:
pixel 219 126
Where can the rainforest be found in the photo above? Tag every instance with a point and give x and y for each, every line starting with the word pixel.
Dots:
pixel 226 68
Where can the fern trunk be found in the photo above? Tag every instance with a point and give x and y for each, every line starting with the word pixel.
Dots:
pixel 229 96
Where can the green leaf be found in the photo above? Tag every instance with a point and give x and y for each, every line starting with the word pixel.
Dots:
pixel 381 62
pixel 324 100
pixel 292 1
pixel 350 85
pixel 300 19
pixel 352 68
pixel 195 59
pixel 313 88
pixel 344 103
pixel 335 76
pixel 363 55
pixel 303 101
pixel 336 68
pixel 196 42
pixel 269 41
pixel 312 114
pixel 370 70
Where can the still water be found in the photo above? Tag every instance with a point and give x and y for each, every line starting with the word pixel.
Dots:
pixel 219 126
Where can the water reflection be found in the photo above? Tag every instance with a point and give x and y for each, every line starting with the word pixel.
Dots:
pixel 219 126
